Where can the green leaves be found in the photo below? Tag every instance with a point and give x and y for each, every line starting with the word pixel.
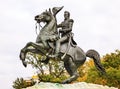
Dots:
pixel 111 62
pixel 20 83
pixel 51 71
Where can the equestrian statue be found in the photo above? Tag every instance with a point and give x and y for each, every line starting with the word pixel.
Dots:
pixel 56 41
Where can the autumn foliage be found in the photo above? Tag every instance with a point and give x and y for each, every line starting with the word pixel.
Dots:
pixel 111 63
pixel 54 71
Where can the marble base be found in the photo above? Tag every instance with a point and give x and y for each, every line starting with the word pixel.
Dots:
pixel 80 85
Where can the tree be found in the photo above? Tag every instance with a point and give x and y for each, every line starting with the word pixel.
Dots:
pixel 111 62
pixel 53 71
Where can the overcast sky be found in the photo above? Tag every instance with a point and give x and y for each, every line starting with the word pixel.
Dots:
pixel 96 26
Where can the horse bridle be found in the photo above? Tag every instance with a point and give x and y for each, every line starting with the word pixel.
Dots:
pixel 36 27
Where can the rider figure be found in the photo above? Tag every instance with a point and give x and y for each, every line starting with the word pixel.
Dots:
pixel 66 32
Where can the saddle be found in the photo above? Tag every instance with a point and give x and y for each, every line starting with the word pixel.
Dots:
pixel 65 47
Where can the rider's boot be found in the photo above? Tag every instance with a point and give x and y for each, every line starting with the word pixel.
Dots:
pixel 56 53
pixel 48 54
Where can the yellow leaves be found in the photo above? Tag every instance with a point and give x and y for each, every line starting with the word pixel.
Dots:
pixel 83 78
pixel 90 63
pixel 111 63
pixel 35 77
pixel 100 81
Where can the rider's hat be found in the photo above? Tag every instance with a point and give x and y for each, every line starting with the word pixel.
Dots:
pixel 55 10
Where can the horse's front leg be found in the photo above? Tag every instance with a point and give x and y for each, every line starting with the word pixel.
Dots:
pixel 24 51
pixel 34 45
pixel 32 50
pixel 36 48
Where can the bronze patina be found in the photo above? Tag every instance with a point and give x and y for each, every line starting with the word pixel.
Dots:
pixel 60 44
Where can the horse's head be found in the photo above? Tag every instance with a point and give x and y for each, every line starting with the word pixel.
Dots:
pixel 44 17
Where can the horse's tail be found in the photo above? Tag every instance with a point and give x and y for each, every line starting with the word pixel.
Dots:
pixel 96 57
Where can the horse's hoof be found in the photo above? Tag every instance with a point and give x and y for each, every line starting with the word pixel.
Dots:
pixel 24 63
pixel 65 82
pixel 22 56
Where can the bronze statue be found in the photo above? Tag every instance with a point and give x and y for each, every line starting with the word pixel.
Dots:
pixel 72 55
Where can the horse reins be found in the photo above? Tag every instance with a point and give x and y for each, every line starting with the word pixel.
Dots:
pixel 36 27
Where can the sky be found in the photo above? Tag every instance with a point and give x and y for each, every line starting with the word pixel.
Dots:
pixel 96 26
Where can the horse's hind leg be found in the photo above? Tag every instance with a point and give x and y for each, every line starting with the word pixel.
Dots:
pixel 71 69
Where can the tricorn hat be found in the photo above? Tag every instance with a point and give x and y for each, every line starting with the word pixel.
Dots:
pixel 55 10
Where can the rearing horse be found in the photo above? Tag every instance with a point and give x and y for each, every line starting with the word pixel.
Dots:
pixel 74 58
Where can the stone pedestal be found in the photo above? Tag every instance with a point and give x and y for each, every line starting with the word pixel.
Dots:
pixel 80 85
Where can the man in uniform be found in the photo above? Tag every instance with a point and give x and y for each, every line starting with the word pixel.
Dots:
pixel 66 32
